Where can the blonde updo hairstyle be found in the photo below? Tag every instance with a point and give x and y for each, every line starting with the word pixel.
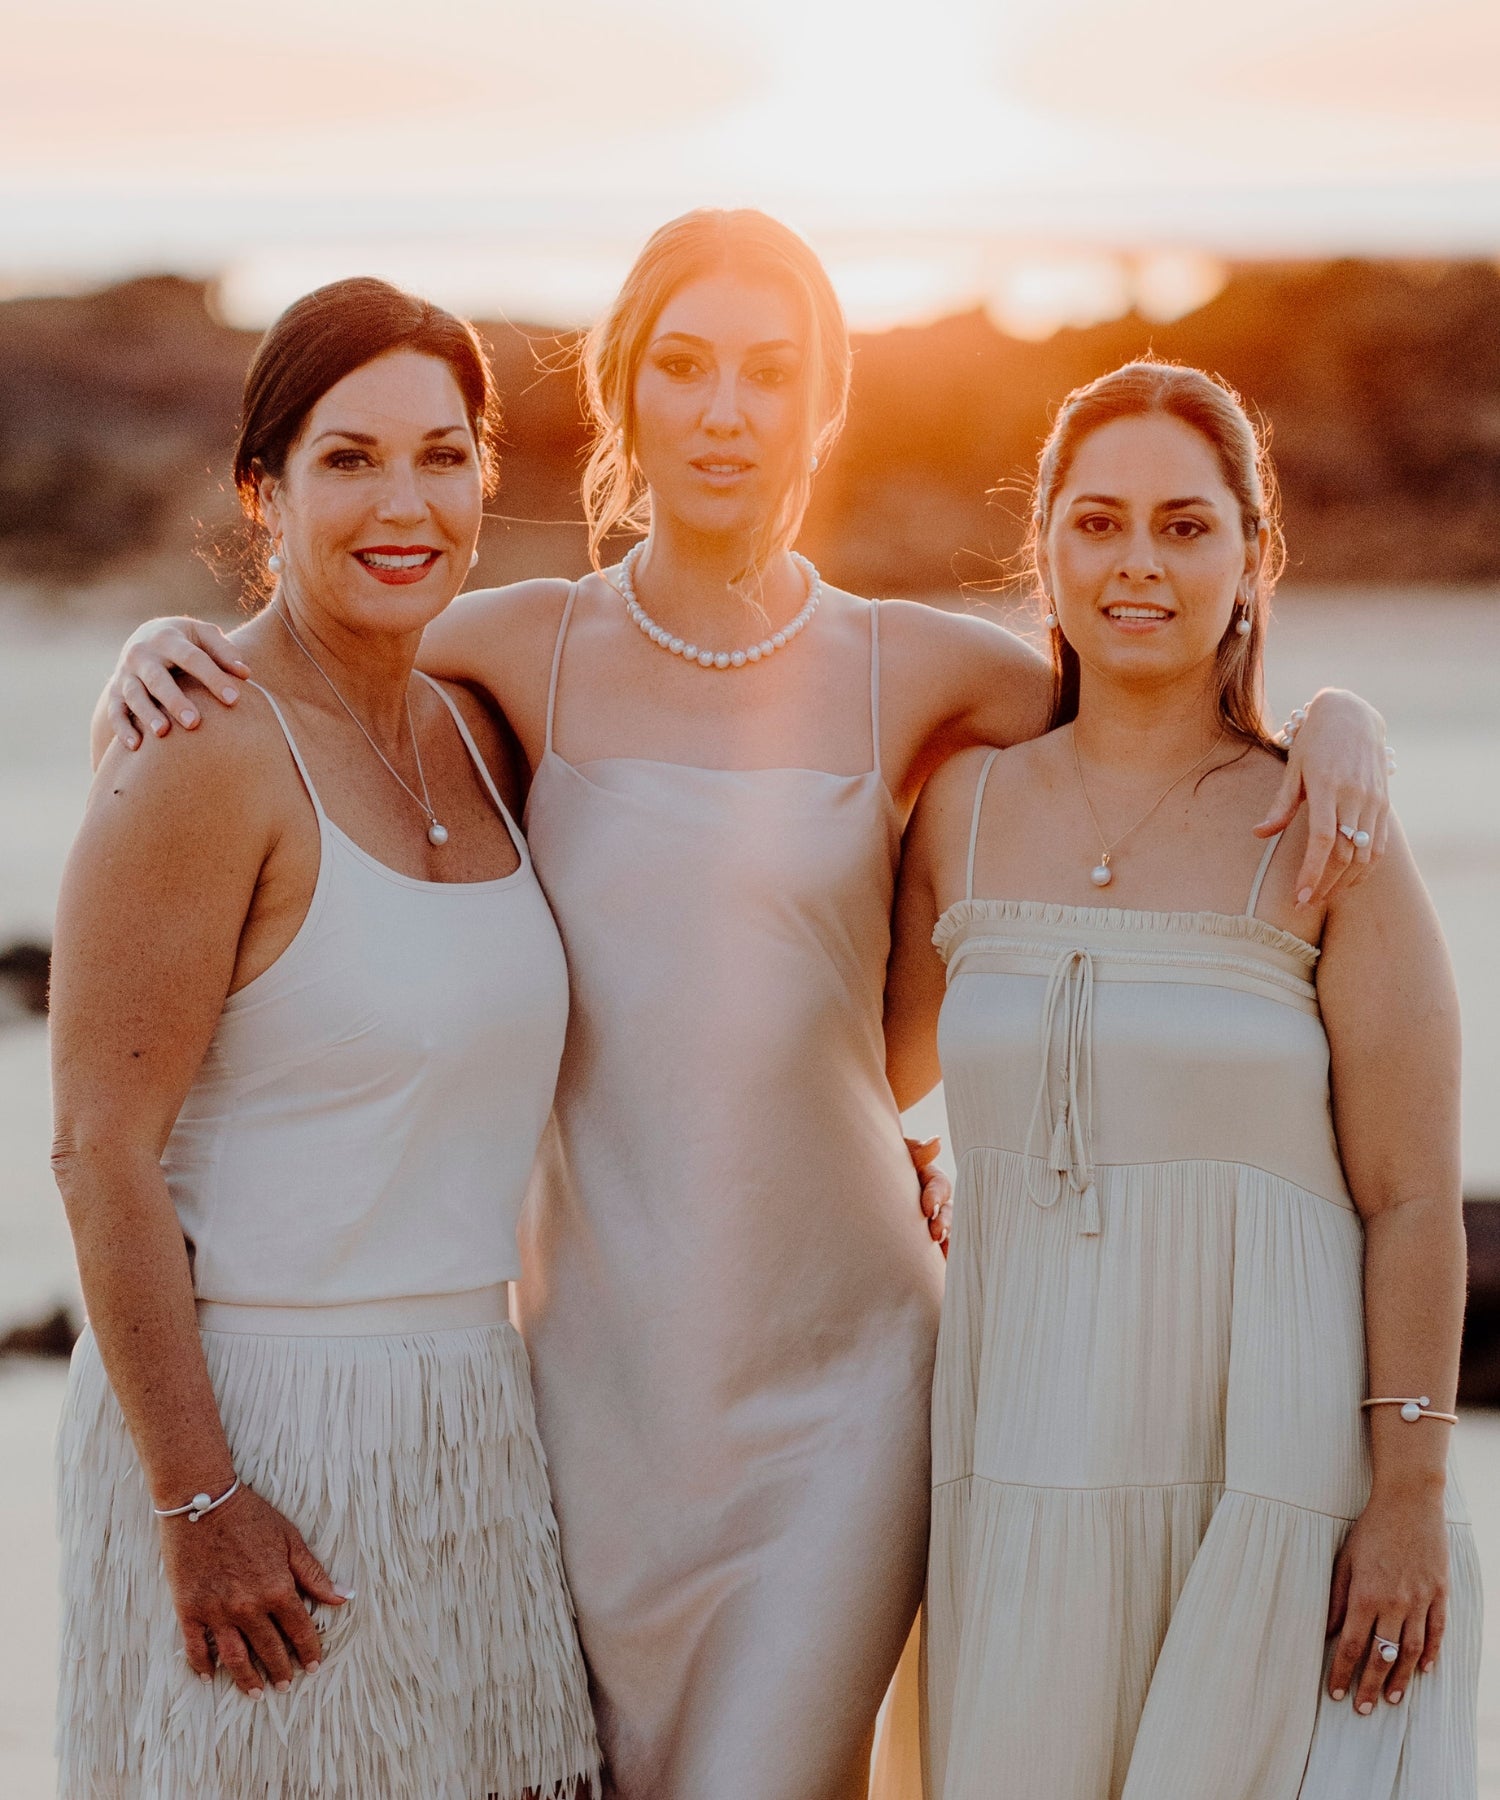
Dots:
pixel 1214 410
pixel 751 246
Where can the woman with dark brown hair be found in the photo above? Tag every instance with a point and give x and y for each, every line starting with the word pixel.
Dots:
pixel 729 1297
pixel 1194 1114
pixel 308 1006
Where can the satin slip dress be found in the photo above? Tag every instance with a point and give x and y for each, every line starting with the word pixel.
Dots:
pixel 729 1297
pixel 1147 1437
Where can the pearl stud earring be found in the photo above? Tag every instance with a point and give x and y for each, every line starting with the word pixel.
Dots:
pixel 1051 619
pixel 812 464
pixel 275 562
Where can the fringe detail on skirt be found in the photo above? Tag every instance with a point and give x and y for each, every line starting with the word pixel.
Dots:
pixel 412 1467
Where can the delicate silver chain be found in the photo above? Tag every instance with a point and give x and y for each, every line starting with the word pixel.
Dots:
pixel 1106 850
pixel 423 799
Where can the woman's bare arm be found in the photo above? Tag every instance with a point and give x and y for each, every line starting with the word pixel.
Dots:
pixel 496 641
pixel 156 892
pixel 1387 993
pixel 915 977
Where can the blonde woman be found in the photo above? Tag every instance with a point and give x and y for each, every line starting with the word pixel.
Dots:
pixel 730 1309
pixel 1173 1449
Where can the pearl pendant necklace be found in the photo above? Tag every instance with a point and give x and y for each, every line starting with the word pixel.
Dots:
pixel 717 659
pixel 437 834
pixel 1102 874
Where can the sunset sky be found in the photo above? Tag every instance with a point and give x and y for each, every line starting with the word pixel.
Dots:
pixel 512 153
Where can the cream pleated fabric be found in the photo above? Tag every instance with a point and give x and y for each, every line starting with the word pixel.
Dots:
pixel 410 1462
pixel 347 1171
pixel 729 1299
pixel 1147 1442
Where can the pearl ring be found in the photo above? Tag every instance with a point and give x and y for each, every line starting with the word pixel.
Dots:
pixel 1359 839
pixel 1388 1651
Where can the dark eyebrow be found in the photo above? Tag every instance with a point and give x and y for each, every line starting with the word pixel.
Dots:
pixel 1165 506
pixel 363 437
pixel 687 337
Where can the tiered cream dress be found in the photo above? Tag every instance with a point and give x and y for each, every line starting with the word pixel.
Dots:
pixel 1147 1438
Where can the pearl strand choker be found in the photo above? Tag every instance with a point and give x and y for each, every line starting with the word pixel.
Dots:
pixel 717 659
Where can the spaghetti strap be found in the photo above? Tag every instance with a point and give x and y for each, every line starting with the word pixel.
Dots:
pixel 875 681
pixel 984 775
pixel 562 632
pixel 484 775
pixel 1260 875
pixel 291 744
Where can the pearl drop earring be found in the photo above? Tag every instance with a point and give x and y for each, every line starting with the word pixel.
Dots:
pixel 812 464
pixel 275 562
pixel 1242 623
pixel 474 560
pixel 1051 619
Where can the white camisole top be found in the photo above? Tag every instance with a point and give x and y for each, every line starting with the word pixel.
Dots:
pixel 365 1120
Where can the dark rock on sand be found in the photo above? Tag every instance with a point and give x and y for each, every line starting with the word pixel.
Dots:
pixel 1479 1374
pixel 23 980
pixel 53 1336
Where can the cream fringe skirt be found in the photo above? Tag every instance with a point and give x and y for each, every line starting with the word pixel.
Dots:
pixel 411 1465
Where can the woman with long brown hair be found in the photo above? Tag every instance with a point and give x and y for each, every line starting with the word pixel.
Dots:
pixel 1193 1115
pixel 730 1307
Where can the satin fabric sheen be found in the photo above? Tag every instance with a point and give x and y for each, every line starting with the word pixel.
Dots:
pixel 729 1299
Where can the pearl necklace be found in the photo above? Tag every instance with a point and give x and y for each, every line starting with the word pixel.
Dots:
pixel 437 834
pixel 1102 874
pixel 717 659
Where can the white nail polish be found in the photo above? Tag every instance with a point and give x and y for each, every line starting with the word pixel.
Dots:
pixel 230 694
pixel 1365 1708
pixel 1338 1693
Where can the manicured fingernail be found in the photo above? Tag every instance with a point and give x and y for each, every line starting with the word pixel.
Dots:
pixel 257 1693
pixel 189 717
pixel 1395 1699
pixel 283 1687
pixel 1338 1693
pixel 348 1593
pixel 1365 1708
pixel 159 726
pixel 312 1668
pixel 231 695
pixel 1428 1667
pixel 208 1678
pixel 1304 896
pixel 132 743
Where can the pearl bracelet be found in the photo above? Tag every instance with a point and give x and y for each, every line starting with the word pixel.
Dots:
pixel 1412 1410
pixel 199 1506
pixel 1288 733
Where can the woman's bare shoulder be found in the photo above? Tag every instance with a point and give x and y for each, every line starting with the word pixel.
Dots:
pixel 488 630
pixel 959 632
pixel 226 782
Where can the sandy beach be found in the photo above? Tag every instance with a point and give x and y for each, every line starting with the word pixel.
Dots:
pixel 1429 661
